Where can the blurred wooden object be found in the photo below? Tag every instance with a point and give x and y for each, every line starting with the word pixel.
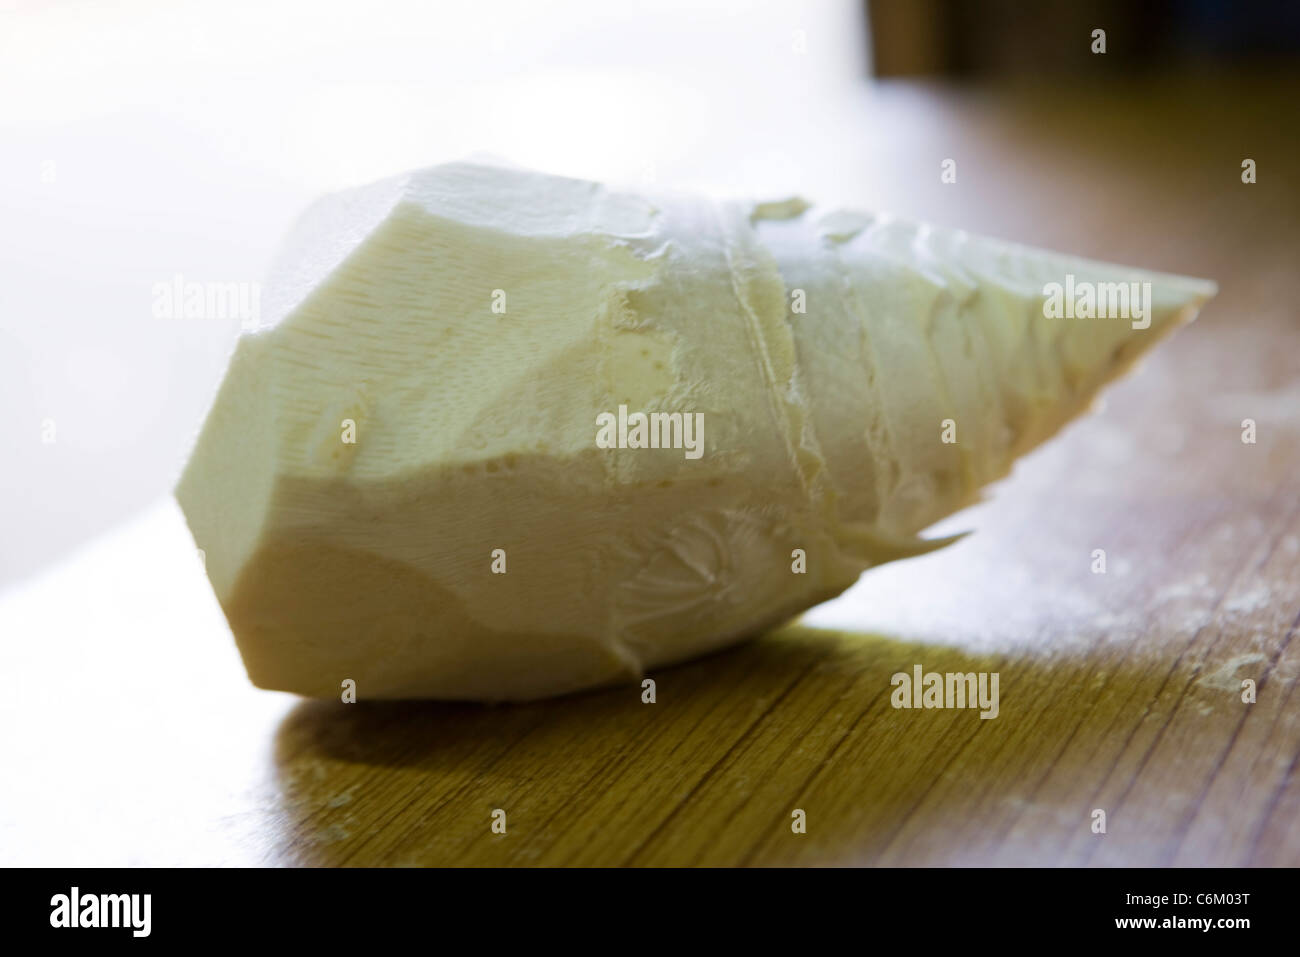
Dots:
pixel 910 38
pixel 132 736
pixel 1001 38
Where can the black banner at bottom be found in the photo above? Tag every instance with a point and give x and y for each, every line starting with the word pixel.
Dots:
pixel 329 908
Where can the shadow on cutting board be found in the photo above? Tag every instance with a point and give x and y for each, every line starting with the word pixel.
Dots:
pixel 714 771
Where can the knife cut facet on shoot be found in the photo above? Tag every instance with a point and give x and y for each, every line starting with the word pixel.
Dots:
pixel 507 435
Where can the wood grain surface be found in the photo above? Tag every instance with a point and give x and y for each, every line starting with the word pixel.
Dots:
pixel 131 735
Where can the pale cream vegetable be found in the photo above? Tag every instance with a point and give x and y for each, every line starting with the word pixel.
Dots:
pixel 400 482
